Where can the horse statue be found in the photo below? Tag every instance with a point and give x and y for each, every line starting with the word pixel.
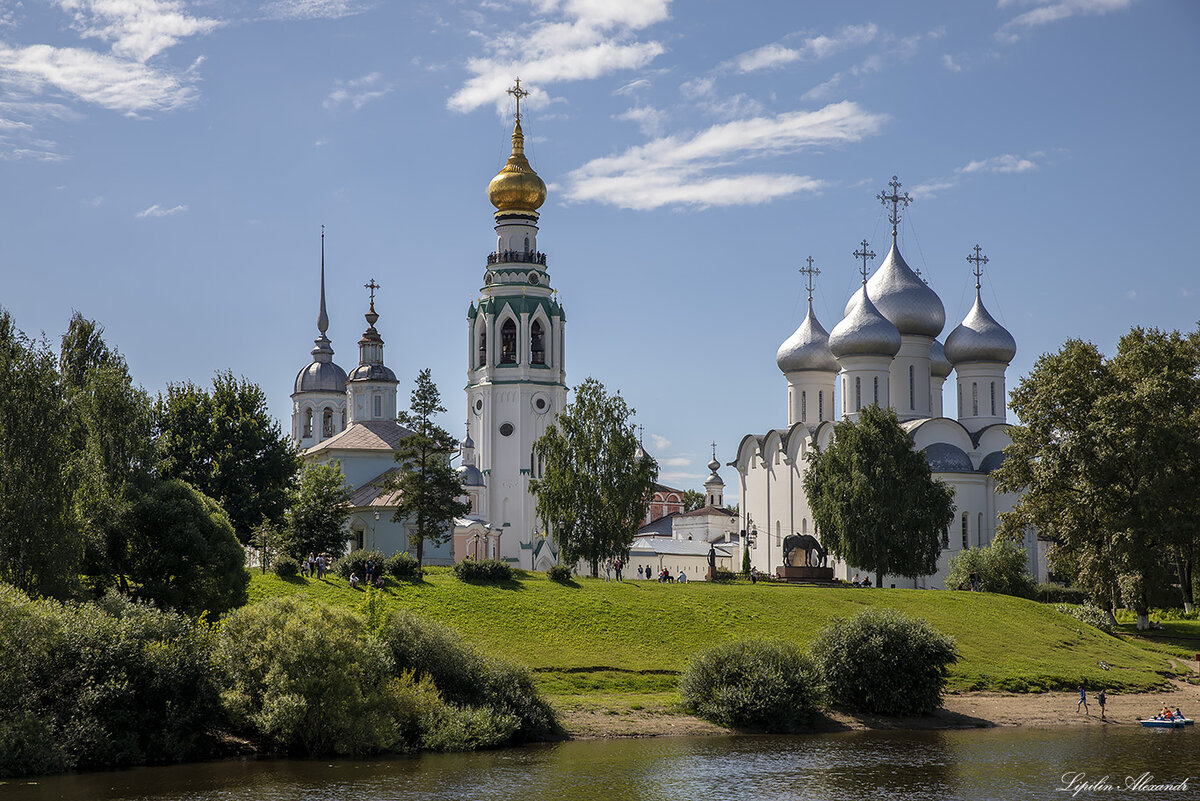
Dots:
pixel 803 542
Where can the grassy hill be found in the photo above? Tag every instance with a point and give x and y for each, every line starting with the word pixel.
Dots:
pixel 598 637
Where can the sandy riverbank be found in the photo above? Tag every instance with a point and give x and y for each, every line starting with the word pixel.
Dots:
pixel 962 711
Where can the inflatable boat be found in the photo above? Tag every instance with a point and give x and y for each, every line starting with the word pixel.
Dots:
pixel 1173 723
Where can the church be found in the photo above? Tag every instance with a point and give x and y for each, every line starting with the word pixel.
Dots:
pixel 516 385
pixel 886 351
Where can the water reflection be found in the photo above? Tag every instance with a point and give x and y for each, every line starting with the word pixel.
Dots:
pixel 978 764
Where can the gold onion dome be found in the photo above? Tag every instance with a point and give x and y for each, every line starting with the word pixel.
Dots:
pixel 517 188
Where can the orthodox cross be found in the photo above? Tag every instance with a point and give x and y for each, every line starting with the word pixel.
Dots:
pixel 896 200
pixel 865 255
pixel 810 273
pixel 714 451
pixel 979 259
pixel 517 92
pixel 371 285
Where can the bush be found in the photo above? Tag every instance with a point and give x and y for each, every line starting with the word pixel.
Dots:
pixel 1088 613
pixel 559 573
pixel 307 679
pixel 356 562
pixel 465 678
pixel 402 566
pixel 1058 594
pixel 885 662
pixel 723 575
pixel 286 567
pixel 489 571
pixel 768 686
pixel 1178 613
pixel 1001 566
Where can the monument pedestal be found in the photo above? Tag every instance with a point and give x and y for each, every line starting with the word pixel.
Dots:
pixel 711 575
pixel 820 575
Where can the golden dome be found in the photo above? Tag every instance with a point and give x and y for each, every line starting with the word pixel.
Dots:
pixel 517 188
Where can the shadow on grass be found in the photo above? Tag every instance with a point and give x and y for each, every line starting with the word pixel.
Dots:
pixel 505 584
pixel 571 582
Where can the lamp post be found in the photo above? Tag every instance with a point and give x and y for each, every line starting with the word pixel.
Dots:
pixel 374 542
pixel 749 535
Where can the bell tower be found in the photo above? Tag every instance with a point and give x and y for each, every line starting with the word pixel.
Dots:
pixel 516 377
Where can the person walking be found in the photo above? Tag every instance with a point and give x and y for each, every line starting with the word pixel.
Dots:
pixel 1101 699
pixel 620 563
pixel 1082 701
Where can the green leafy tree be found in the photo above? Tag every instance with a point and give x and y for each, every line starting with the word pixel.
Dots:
pixel 269 542
pixel 874 499
pixel 692 500
pixel 40 545
pixel 316 518
pixel 1001 568
pixel 593 491
pixel 226 444
pixel 430 490
pixel 1107 461
pixel 183 553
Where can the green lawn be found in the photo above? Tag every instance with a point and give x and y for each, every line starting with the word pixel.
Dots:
pixel 597 637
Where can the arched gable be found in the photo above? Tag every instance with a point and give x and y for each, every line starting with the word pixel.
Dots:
pixel 993 438
pixel 772 445
pixel 794 443
pixel 747 449
pixel 941 429
pixel 823 434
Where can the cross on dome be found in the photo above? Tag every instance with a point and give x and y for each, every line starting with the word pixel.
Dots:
pixel 896 200
pixel 979 260
pixel 371 285
pixel 810 273
pixel 517 92
pixel 865 254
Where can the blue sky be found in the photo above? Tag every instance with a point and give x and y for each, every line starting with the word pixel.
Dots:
pixel 165 167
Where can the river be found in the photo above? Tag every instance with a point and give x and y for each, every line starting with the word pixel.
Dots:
pixel 1002 763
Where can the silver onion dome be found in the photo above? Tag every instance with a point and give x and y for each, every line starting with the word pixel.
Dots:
pixel 321 377
pixel 372 372
pixel 807 348
pixel 470 476
pixel 939 365
pixel 904 299
pixel 979 338
pixel 864 331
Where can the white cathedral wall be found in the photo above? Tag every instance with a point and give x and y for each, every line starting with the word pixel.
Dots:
pixel 911 399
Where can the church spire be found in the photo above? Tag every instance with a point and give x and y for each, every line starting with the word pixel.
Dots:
pixel 322 315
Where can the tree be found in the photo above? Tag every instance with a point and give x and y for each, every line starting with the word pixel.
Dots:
pixel 429 487
pixel 39 540
pixel 692 500
pixel 183 553
pixel 317 515
pixel 1001 568
pixel 269 542
pixel 226 444
pixel 874 499
pixel 1107 461
pixel 593 491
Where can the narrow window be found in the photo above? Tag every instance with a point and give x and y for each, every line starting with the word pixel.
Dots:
pixel 526 245
pixel 537 344
pixel 974 399
pixel 378 406
pixel 845 401
pixel 804 525
pixel 993 399
pixel 821 405
pixel 308 417
pixel 912 394
pixel 964 531
pixel 483 346
pixel 327 424
pixel 876 401
pixel 508 342
pixel 803 406
pixel 979 532
pixel 857 393
pixel 960 406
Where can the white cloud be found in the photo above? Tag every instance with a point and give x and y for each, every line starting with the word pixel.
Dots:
pixel 700 171
pixel 1048 11
pixel 1131 294
pixel 661 443
pixel 680 478
pixel 1003 163
pixel 137 29
pixel 571 40
pixel 896 50
pixel 675 461
pixel 358 92
pixel 931 189
pixel 648 119
pixel 813 49
pixel 158 211
pixel 94 202
pixel 313 9
pixel 949 63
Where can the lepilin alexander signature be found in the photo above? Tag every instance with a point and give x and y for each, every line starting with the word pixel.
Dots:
pixel 1076 782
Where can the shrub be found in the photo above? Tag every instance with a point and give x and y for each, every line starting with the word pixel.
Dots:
pixel 1058 594
pixel 489 571
pixel 770 686
pixel 559 573
pixel 1178 614
pixel 723 575
pixel 402 566
pixel 307 679
pixel 286 567
pixel 466 678
pixel 1001 566
pixel 356 562
pixel 885 662
pixel 1088 613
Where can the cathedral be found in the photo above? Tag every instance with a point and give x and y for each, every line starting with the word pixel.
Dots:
pixel 886 351
pixel 516 384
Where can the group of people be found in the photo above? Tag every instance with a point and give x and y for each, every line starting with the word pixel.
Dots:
pixel 865 581
pixel 614 566
pixel 1167 714
pixel 315 565
pixel 1101 698
pixel 372 575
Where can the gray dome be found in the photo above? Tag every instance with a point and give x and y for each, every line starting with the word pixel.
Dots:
pixel 321 377
pixel 904 299
pixel 979 338
pixel 946 458
pixel 864 331
pixel 807 348
pixel 939 365
pixel 372 372
pixel 468 442
pixel 992 461
pixel 469 476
